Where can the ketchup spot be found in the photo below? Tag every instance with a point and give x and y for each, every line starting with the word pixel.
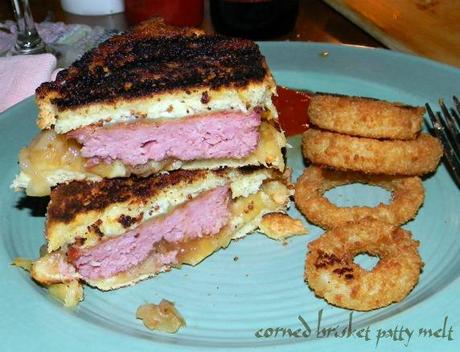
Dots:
pixel 292 108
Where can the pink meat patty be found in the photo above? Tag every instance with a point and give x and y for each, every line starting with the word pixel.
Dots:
pixel 204 215
pixel 212 136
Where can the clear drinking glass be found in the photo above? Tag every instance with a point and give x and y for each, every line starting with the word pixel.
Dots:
pixel 28 40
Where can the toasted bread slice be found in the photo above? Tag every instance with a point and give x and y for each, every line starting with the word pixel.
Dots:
pixel 157 71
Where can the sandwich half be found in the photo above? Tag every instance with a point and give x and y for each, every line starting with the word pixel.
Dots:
pixel 157 98
pixel 115 232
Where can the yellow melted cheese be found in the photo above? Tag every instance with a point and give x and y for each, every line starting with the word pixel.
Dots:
pixel 50 157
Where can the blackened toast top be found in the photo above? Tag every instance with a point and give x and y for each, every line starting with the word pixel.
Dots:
pixel 155 58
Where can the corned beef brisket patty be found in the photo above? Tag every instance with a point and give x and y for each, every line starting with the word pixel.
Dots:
pixel 217 135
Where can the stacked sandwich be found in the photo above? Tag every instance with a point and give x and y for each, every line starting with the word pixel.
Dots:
pixel 157 148
pixel 363 140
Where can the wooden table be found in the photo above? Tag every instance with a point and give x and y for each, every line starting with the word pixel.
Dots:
pixel 428 28
pixel 316 22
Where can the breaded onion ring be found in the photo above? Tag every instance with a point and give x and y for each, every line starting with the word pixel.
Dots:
pixel 365 117
pixel 408 195
pixel 339 151
pixel 332 274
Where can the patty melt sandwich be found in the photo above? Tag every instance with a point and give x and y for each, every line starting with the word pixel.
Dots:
pixel 158 148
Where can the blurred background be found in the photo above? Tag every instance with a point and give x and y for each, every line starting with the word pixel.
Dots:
pixel 429 28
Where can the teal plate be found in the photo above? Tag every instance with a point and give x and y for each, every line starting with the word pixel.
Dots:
pixel 250 302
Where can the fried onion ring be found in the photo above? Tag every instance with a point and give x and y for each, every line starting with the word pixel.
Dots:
pixel 331 273
pixel 339 151
pixel 408 195
pixel 365 117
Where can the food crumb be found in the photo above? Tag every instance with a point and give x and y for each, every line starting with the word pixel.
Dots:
pixel 162 317
pixel 68 293
pixel 23 263
pixel 235 258
pixel 279 226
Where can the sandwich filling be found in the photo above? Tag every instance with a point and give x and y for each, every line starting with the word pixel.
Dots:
pixel 202 223
pixel 213 136
pixel 203 216
pixel 52 159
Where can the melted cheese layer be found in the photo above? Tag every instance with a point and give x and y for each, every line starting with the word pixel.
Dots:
pixel 52 159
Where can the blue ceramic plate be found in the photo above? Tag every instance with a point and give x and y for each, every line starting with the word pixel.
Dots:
pixel 253 301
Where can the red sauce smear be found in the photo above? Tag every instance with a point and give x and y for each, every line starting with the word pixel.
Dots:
pixel 292 107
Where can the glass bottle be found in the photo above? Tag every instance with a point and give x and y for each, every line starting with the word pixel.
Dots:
pixel 254 19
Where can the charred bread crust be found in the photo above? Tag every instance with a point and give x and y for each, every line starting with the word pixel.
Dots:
pixel 77 197
pixel 149 61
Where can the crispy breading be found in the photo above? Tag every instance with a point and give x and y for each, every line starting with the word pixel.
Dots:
pixel 390 157
pixel 331 272
pixel 365 117
pixel 407 197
